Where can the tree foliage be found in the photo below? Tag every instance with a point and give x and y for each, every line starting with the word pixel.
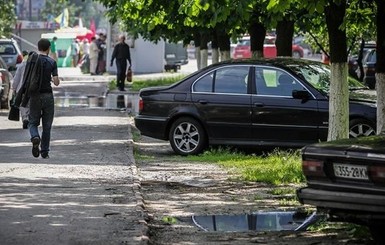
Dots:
pixel 8 17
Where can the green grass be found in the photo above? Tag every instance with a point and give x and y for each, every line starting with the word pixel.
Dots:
pixel 278 167
pixel 139 84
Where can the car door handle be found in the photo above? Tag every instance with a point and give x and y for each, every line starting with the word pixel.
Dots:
pixel 259 104
pixel 203 102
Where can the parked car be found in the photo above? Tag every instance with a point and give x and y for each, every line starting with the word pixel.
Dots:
pixel 175 55
pixel 281 102
pixel 346 179
pixel 5 84
pixel 11 53
pixel 369 65
pixel 243 51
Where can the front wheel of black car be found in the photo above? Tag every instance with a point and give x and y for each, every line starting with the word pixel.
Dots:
pixel 187 136
pixel 361 127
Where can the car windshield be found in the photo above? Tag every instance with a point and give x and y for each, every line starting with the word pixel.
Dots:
pixel 318 75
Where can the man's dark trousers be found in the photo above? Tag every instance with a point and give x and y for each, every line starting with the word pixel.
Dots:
pixel 121 67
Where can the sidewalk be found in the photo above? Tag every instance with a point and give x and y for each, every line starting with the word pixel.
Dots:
pixel 87 192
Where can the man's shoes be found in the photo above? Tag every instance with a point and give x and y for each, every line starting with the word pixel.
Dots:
pixel 44 154
pixel 122 89
pixel 35 146
pixel 25 124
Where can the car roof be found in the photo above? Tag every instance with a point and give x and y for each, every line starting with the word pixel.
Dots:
pixel 278 61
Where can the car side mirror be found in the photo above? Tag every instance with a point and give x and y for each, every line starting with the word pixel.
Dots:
pixel 301 94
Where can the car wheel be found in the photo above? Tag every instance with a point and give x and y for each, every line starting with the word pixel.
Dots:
pixel 296 54
pixel 361 127
pixel 187 136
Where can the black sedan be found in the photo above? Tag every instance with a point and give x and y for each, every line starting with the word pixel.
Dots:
pixel 346 179
pixel 281 102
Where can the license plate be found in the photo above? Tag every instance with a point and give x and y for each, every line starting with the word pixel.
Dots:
pixel 350 171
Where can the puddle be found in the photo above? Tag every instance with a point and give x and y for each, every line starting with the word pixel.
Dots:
pixel 260 221
pixel 109 101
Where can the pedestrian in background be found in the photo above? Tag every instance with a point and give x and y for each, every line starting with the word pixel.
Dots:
pixel 101 43
pixel 75 49
pixel 17 85
pixel 42 103
pixel 94 51
pixel 122 54
pixel 53 53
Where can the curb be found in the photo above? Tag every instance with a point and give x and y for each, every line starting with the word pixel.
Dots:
pixel 140 207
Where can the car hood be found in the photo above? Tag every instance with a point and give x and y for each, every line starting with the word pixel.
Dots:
pixel 363 95
pixel 363 147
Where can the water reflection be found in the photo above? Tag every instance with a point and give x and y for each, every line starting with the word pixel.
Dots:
pixel 110 101
pixel 260 221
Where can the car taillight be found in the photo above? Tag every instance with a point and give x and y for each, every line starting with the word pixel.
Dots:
pixel 377 174
pixel 140 105
pixel 313 168
pixel 19 59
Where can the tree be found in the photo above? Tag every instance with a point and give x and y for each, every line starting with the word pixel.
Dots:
pixel 380 66
pixel 339 91
pixel 8 18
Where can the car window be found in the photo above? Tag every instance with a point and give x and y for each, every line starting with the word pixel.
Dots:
pixel 275 82
pixel 371 57
pixel 231 80
pixel 224 80
pixel 7 48
pixel 204 84
pixel 318 75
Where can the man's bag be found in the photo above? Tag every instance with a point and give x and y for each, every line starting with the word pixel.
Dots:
pixel 14 111
pixel 129 75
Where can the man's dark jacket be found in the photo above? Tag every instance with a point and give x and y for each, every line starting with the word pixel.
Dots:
pixel 31 80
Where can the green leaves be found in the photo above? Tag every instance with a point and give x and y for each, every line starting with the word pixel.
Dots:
pixel 8 18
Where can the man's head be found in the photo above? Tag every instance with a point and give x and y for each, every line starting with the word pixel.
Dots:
pixel 43 45
pixel 122 38
pixel 54 38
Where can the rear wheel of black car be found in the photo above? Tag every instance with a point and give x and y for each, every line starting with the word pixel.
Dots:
pixel 361 127
pixel 187 136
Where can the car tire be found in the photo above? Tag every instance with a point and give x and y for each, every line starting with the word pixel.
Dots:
pixel 187 136
pixel 296 54
pixel 361 127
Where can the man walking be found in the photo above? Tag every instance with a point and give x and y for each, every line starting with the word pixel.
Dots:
pixel 94 51
pixel 42 103
pixel 122 54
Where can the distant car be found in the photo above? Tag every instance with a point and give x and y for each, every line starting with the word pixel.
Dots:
pixel 346 179
pixel 281 102
pixel 242 49
pixel 175 55
pixel 5 84
pixel 369 65
pixel 11 53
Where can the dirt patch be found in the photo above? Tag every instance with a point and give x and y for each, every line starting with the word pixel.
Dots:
pixel 174 189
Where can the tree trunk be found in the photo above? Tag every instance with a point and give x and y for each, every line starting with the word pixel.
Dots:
pixel 224 44
pixel 204 50
pixel 214 48
pixel 380 66
pixel 284 41
pixel 339 90
pixel 197 43
pixel 338 103
pixel 257 33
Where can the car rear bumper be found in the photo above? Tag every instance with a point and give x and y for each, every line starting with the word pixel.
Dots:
pixel 342 200
pixel 152 127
